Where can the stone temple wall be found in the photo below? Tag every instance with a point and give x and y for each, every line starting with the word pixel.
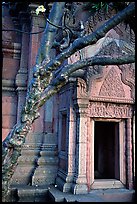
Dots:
pixel 19 55
pixel 103 93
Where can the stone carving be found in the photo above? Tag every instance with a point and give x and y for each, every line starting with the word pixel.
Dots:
pixel 11 50
pixel 112 86
pixel 128 77
pixel 82 88
pixel 71 163
pixel 74 58
pixel 109 110
pixel 100 17
pixel 80 54
pixel 112 83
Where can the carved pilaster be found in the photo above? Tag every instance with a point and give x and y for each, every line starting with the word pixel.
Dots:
pixel 37 25
pixel 8 85
pixel 11 50
pixel 65 179
pixel 21 77
pixel 80 180
pixel 81 105
pixel 134 148
pixel 128 77
pixel 129 155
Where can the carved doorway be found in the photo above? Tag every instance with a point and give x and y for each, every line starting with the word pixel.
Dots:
pixel 106 150
pixel 107 153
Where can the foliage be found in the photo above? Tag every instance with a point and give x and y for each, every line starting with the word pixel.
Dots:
pixel 40 8
pixel 49 76
pixel 100 5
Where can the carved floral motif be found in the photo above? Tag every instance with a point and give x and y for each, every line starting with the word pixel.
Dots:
pixel 109 110
pixel 128 77
pixel 112 86
pixel 101 16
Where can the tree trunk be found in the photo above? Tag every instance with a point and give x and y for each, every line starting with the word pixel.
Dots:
pixel 44 85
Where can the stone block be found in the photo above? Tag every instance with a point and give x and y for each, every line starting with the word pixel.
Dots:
pixel 9 108
pixel 8 121
pixel 55 194
pixel 63 185
pixel 44 175
pixel 79 189
pixel 7 64
pixel 107 183
pixel 22 175
pixel 5 132
pixel 38 125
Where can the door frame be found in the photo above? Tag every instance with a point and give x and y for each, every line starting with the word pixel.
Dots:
pixel 108 183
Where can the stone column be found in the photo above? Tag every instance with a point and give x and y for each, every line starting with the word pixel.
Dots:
pixel 11 51
pixel 71 146
pixel 37 25
pixel 129 155
pixel 134 147
pixel 21 77
pixel 64 179
pixel 80 178
pixel 30 152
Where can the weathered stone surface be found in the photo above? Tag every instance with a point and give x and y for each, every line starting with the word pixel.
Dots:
pixel 108 195
pixel 25 193
pixel 104 93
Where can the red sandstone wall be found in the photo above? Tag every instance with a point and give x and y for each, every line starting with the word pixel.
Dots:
pixel 11 61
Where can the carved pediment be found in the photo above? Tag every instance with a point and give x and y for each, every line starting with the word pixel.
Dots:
pixel 109 86
pixel 112 85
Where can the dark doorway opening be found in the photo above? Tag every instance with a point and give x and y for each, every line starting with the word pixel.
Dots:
pixel 106 150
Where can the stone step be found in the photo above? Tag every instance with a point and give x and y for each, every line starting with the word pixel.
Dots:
pixel 107 195
pixel 48 160
pixel 23 174
pixel 44 175
pixel 24 193
pixel 107 183
pixel 43 157
pixel 50 193
pixel 115 195
pixel 41 161
pixel 35 164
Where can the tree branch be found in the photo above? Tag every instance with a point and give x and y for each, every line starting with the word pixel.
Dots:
pixel 50 31
pixel 90 39
pixel 65 73
pixel 36 96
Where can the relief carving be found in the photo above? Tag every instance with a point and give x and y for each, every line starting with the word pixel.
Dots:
pixel 128 77
pixel 101 16
pixel 81 88
pixel 74 58
pixel 119 40
pixel 71 163
pixel 108 110
pixel 80 54
pixel 112 86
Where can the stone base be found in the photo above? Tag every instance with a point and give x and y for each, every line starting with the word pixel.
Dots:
pixel 106 184
pixel 22 175
pixel 63 185
pixel 24 193
pixel 38 162
pixel 107 195
pixel 44 175
pixel 79 189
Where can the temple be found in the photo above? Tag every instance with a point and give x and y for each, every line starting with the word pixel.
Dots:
pixel 84 139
